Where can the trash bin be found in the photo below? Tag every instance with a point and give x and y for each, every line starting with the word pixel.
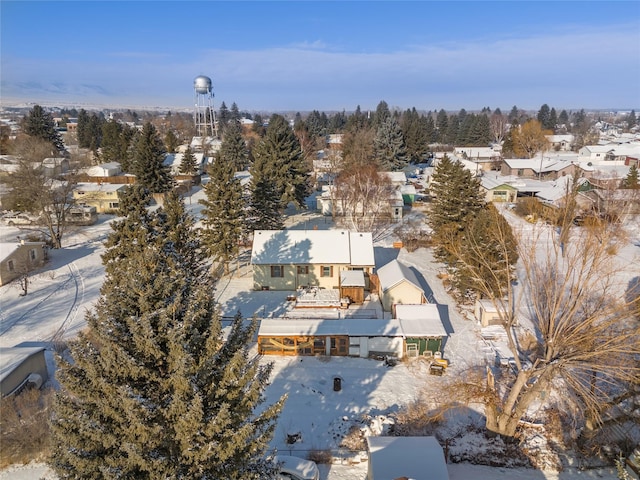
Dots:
pixel 337 384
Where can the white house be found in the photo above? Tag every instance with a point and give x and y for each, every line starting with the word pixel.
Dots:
pixel 398 285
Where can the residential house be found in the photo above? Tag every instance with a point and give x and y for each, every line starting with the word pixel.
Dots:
pixel 484 158
pixel 55 166
pixel 498 188
pixel 542 168
pixel 17 259
pixel 174 160
pixel 398 284
pixel 561 143
pixel 109 169
pixel 486 313
pixel 289 259
pixel 105 196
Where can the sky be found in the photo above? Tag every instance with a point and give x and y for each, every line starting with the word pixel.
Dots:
pixel 326 56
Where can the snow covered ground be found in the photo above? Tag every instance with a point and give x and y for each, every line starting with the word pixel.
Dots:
pixel 69 285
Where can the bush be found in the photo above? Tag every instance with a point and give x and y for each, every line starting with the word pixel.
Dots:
pixel 25 426
pixel 320 456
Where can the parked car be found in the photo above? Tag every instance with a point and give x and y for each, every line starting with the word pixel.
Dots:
pixel 12 219
pixel 295 468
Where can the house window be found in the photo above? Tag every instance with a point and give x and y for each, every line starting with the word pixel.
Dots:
pixel 11 266
pixel 520 172
pixel 32 255
pixel 114 205
pixel 326 271
pixel 277 271
pixel 303 269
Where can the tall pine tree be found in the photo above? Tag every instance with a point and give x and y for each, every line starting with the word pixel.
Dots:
pixel 40 124
pixel 456 200
pixel 188 162
pixel 279 155
pixel 151 390
pixel 223 213
pixel 389 145
pixel 233 149
pixel 147 161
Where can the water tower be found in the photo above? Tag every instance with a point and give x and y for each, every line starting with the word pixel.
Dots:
pixel 204 114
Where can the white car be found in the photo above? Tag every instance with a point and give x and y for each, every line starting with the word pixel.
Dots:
pixel 294 468
pixel 12 219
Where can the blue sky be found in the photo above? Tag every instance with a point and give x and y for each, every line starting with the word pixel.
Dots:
pixel 331 55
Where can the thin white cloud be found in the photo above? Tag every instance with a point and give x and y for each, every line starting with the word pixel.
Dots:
pixel 571 68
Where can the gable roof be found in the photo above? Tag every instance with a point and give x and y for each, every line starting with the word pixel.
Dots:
pixel 299 247
pixel 420 320
pixel 394 273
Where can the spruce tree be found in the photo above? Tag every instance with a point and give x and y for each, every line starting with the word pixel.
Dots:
pixel 223 213
pixel 631 180
pixel 456 200
pixel 488 254
pixel 151 390
pixel 147 161
pixel 279 154
pixel 417 135
pixel 265 209
pixel 40 124
pixel 188 162
pixel 390 148
pixel 233 149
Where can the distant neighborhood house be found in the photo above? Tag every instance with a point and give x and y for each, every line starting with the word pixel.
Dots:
pixel 17 259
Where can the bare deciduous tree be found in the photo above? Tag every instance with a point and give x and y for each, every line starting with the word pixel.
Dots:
pixel 583 337
pixel 361 197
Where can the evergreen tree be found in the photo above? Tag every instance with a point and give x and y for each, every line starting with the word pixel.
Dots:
pixel 456 200
pixel 442 125
pixel 223 213
pixel 40 124
pixel 223 118
pixel 390 149
pixel 480 131
pixel 152 391
pixel 563 118
pixel 171 141
pixel 544 117
pixel 632 121
pixel 490 233
pixel 514 115
pixel 279 154
pixel 116 140
pixel 147 161
pixel 417 135
pixel 553 119
pixel 632 180
pixel 233 149
pixel 234 114
pixel 381 114
pixel 264 212
pixel 188 162
pixel 357 121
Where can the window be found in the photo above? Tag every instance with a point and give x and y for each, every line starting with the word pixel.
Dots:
pixel 114 205
pixel 277 271
pixel 326 271
pixel 33 255
pixel 303 269
pixel 11 266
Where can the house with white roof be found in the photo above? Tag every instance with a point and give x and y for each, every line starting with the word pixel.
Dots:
pixel 104 196
pixel 484 158
pixel 542 168
pixel 290 259
pixel 398 284
pixel 19 258
pixel 174 161
pixel 561 143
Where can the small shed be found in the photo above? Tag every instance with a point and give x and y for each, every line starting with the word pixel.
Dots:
pixel 352 285
pixel 487 313
pixel 417 458
pixel 399 285
pixel 20 366
pixel 422 328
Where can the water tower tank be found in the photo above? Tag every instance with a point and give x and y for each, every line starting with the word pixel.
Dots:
pixel 202 84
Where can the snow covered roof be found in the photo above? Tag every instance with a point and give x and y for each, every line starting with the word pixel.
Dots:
pixel 396 177
pixel 99 187
pixel 420 320
pixel 395 272
pixel 359 327
pixel 295 247
pixel 12 357
pixel 352 278
pixel 416 458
